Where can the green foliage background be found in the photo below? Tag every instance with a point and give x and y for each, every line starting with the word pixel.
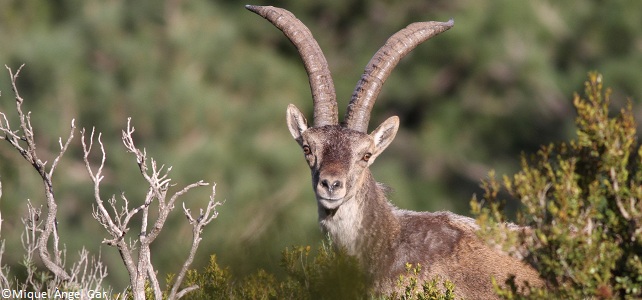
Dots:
pixel 207 83
pixel 581 201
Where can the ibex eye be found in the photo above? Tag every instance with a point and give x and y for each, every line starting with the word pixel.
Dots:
pixel 306 150
pixel 367 156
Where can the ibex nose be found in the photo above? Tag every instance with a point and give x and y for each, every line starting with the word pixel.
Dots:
pixel 330 185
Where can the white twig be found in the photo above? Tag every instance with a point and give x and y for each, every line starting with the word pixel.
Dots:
pixel 4 280
pixel 117 224
pixel 28 152
pixel 100 213
pixel 201 221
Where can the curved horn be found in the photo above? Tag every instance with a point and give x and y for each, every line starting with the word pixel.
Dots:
pixel 323 94
pixel 380 66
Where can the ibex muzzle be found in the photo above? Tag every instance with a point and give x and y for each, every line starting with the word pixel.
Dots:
pixel 353 208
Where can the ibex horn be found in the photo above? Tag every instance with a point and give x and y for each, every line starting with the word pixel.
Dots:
pixel 380 66
pixel 323 94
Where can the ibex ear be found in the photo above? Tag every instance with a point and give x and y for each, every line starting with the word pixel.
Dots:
pixel 296 123
pixel 383 136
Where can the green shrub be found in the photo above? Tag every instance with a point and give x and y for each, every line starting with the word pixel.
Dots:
pixel 412 290
pixel 326 274
pixel 582 200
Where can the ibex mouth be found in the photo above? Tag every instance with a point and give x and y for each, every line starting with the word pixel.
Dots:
pixel 330 199
pixel 330 203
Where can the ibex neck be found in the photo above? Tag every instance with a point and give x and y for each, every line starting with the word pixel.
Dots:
pixel 365 223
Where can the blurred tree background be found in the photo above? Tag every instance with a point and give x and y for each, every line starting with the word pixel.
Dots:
pixel 207 83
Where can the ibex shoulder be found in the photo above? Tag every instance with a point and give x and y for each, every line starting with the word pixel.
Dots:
pixel 432 234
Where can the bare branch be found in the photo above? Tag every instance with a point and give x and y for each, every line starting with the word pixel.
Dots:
pixel 117 223
pixel 185 291
pixel 10 135
pixel 88 272
pixel 203 219
pixel 41 229
pixel 63 148
pixel 28 239
pixel 4 280
pixel 29 154
pixel 163 214
pixel 158 293
pixel 4 270
pixel 128 141
pixel 100 213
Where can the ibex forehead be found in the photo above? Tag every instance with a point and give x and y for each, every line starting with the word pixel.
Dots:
pixel 337 142
pixel 335 134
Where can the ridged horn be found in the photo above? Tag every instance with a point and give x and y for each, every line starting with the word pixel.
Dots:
pixel 321 84
pixel 380 66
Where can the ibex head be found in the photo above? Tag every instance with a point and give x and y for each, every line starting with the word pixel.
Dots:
pixel 340 154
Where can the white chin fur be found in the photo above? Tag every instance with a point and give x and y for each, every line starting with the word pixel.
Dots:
pixel 330 203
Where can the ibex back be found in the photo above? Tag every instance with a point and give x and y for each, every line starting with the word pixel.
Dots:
pixel 352 206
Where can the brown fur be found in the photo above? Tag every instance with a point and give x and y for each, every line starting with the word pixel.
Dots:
pixel 353 208
pixel 384 238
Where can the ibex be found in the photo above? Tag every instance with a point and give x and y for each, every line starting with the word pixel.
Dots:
pixel 352 206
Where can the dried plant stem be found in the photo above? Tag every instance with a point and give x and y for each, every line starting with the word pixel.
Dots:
pixel 26 145
pixel 41 230
pixel 141 271
pixel 4 280
pixel 197 228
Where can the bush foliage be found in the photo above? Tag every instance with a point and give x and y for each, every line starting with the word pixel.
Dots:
pixel 583 201
pixel 326 274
